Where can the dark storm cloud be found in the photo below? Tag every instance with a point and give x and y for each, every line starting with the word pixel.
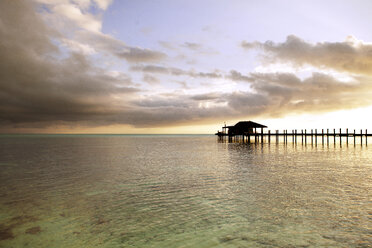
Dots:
pixel 37 87
pixel 40 89
pixel 349 56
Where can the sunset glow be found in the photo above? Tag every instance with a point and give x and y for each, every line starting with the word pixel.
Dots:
pixel 105 66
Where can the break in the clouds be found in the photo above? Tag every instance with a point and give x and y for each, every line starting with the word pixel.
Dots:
pixel 58 65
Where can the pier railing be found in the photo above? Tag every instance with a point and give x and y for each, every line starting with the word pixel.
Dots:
pixel 304 136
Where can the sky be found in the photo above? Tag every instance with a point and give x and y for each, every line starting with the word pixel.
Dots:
pixel 161 66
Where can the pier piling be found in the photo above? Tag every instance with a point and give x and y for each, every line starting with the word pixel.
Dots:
pixel 296 136
pixel 334 136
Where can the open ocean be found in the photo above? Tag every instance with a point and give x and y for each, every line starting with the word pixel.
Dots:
pixel 182 191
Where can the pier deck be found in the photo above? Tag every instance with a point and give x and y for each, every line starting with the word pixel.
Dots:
pixel 303 136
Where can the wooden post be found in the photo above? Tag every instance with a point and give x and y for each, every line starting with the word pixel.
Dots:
pixel 261 135
pixel 255 135
pixel 322 136
pixel 296 136
pixel 292 136
pixel 316 137
pixel 340 137
pixel 276 136
pixel 302 135
pixel 366 136
pixel 286 136
pixel 327 136
pixel 269 136
pixel 305 137
pixel 334 135
pixel 312 136
pixel 354 136
pixel 361 137
pixel 347 135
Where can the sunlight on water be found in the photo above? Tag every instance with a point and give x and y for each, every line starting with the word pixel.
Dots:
pixel 171 191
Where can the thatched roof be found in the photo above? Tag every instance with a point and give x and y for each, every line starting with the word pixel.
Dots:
pixel 248 124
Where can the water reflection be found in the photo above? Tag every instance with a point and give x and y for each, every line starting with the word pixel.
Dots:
pixel 182 192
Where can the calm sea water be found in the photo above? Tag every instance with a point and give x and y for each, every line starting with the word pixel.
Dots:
pixel 182 191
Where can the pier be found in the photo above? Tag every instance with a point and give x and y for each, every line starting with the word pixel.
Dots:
pixel 252 132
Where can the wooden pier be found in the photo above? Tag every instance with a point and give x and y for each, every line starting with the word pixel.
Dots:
pixel 246 132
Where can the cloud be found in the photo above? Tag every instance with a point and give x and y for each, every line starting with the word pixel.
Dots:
pixel 42 86
pixel 103 4
pixel 75 13
pixel 78 47
pixel 351 56
pixel 136 54
pixel 315 94
pixel 72 12
pixel 150 79
pixel 271 95
pixel 37 87
pixel 167 45
pixel 208 96
pixel 81 30
pixel 237 76
pixel 174 71
pixel 192 46
pixel 109 45
pixel 82 4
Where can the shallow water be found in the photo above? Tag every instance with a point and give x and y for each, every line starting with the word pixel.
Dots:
pixel 182 191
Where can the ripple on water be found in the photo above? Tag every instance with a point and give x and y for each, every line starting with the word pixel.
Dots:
pixel 120 191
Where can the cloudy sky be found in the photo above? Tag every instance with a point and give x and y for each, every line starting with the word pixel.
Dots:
pixel 162 66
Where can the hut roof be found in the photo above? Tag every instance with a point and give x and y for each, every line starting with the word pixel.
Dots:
pixel 248 124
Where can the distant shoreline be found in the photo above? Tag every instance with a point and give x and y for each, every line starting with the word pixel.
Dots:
pixel 93 134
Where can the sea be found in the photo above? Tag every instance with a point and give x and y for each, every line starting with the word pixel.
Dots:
pixel 183 191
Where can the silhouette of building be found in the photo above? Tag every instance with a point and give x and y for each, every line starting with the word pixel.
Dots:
pixel 244 128
pixel 241 128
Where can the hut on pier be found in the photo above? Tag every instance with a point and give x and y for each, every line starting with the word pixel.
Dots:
pixel 243 128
